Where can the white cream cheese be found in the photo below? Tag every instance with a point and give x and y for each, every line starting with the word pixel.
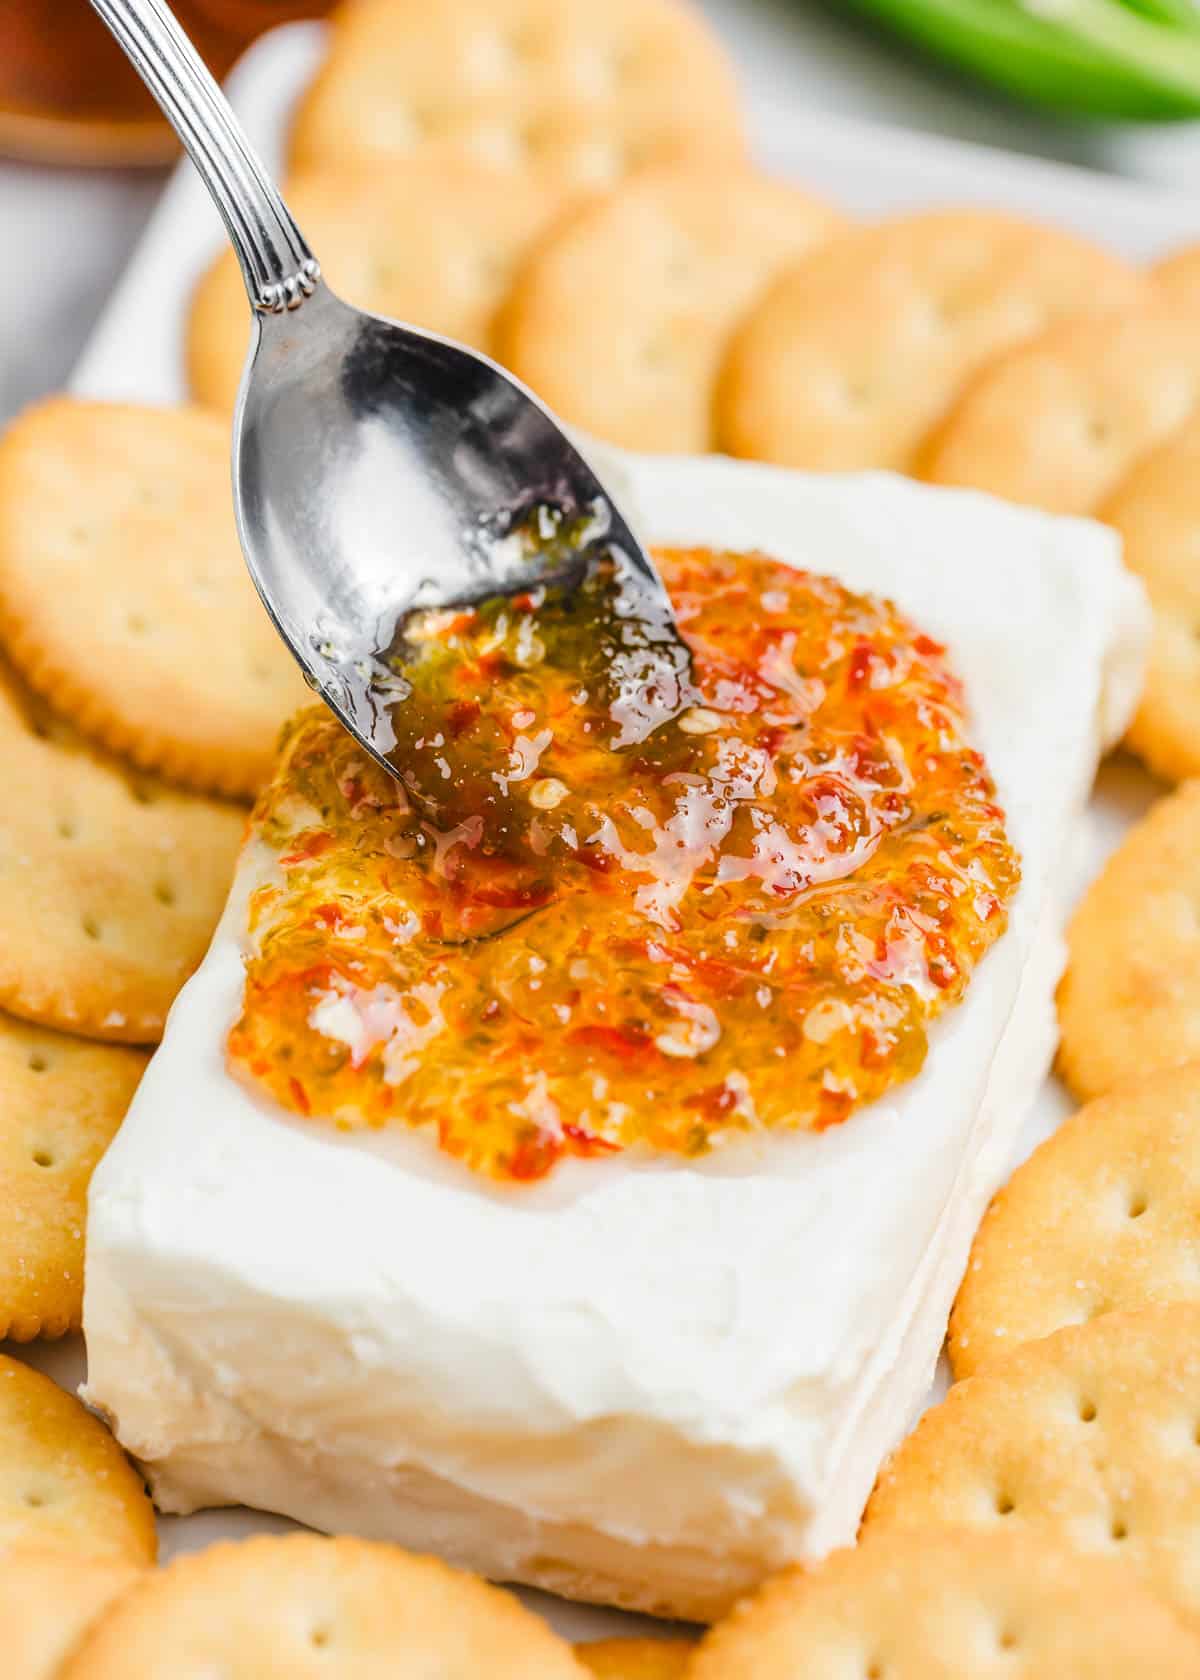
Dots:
pixel 649 1384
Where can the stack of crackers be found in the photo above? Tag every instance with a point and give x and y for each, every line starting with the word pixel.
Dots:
pixel 141 691
pixel 565 184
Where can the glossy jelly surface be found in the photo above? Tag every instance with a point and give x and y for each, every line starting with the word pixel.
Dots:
pixel 626 897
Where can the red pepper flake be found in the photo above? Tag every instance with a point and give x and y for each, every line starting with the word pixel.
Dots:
pixel 516 895
pixel 875 1050
pixel 534 1155
pixel 714 1101
pixel 627 1042
pixel 871 762
pixel 943 970
pixel 721 976
pixel 833 1107
pixel 309 846
pixel 299 1095
pixel 455 626
pixel 771 738
pixel 584 1142
pixel 479 673
pixel 601 862
pixel 463 715
pixel 858 670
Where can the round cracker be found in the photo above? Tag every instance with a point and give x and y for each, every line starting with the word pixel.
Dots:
pixel 1102 1217
pixel 301 1605
pixel 110 885
pixel 1129 1002
pixel 64 1481
pixel 859 350
pixel 61 1102
pixel 431 241
pixel 1179 276
pixel 1059 422
pixel 947 1605
pixel 636 1659
pixel 620 318
pixel 124 597
pixel 1092 1434
pixel 585 92
pixel 47 1600
pixel 1157 512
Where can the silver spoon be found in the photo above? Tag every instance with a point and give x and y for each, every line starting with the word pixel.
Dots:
pixel 376 468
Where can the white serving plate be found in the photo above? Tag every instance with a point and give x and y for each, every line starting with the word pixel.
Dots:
pixel 136 354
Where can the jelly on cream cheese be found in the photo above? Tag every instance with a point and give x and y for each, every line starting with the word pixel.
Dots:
pixel 642 1382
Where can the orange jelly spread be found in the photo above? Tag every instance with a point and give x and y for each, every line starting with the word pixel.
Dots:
pixel 595 916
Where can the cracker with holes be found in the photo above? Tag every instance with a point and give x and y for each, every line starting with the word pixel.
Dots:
pixel 1091 1434
pixel 620 319
pixel 950 1605
pixel 1059 422
pixel 61 1101
pixel 300 1605
pixel 124 597
pixel 636 1659
pixel 582 92
pixel 859 350
pixel 48 1598
pixel 1157 512
pixel 1178 275
pixel 1129 1002
pixel 64 1481
pixel 475 224
pixel 1104 1216
pixel 110 885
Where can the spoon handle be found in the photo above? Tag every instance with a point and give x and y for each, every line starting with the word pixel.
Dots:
pixel 277 265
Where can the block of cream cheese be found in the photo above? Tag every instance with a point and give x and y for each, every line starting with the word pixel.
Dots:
pixel 641 1384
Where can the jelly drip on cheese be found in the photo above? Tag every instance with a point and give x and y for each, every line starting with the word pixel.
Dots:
pixel 569 933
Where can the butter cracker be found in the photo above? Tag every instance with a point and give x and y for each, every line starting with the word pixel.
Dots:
pixel 301 1605
pixel 1103 1217
pixel 1129 1002
pixel 64 1481
pixel 124 598
pixel 1156 510
pixel 47 1600
pixel 61 1102
pixel 1060 421
pixel 636 1659
pixel 1178 274
pixel 110 883
pixel 940 1604
pixel 1091 1435
pixel 858 352
pixel 620 318
pixel 583 91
